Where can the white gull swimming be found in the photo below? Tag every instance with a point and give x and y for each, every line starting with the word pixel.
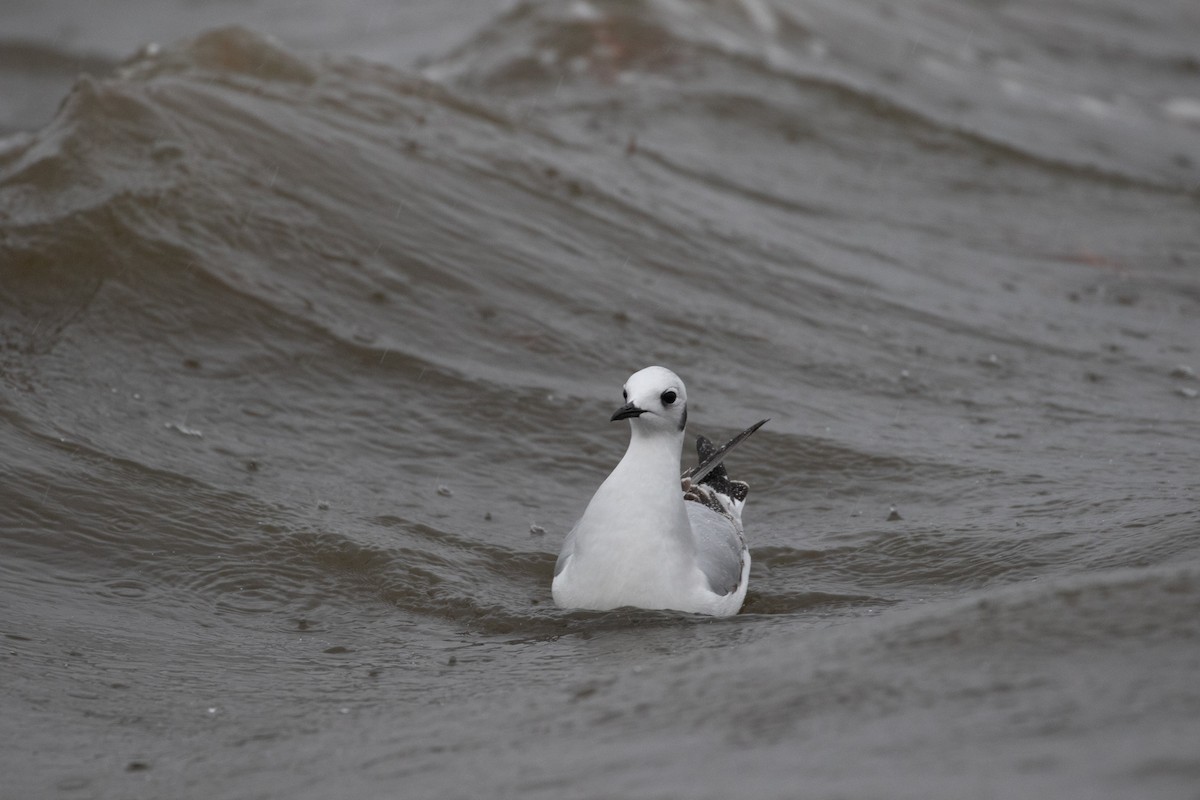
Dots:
pixel 649 538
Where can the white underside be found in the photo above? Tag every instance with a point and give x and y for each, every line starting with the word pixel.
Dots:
pixel 571 591
pixel 618 585
pixel 642 545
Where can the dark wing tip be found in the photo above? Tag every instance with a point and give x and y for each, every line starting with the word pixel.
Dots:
pixel 711 457
pixel 718 477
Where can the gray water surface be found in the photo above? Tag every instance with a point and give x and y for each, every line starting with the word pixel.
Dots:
pixel 309 336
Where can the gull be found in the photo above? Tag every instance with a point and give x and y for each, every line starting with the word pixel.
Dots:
pixel 649 538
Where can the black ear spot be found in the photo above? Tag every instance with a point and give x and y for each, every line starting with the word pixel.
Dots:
pixel 668 397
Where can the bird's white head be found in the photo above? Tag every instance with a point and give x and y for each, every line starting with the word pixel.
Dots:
pixel 655 401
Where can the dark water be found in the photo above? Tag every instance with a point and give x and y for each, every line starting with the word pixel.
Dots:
pixel 308 347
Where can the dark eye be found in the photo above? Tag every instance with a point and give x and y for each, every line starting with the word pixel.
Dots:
pixel 667 398
pixel 624 394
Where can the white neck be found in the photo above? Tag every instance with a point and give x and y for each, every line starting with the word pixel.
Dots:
pixel 646 479
pixel 634 544
pixel 654 455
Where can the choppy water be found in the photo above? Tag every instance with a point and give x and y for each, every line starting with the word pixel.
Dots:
pixel 306 362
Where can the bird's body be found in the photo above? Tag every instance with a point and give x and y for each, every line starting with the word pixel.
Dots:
pixel 648 540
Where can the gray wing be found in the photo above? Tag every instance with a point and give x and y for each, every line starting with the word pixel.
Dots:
pixel 567 549
pixel 720 547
